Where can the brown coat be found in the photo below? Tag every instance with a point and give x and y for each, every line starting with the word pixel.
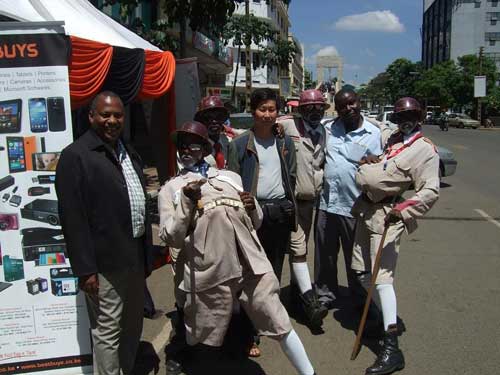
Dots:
pixel 210 239
pixel 417 165
pixel 310 158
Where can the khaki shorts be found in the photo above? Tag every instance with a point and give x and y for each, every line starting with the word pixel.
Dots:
pixel 299 239
pixel 207 314
pixel 366 243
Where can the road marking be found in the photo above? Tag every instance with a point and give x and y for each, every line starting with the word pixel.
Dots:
pixel 487 217
pixel 161 339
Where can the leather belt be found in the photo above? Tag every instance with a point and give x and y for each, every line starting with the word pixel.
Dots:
pixel 230 202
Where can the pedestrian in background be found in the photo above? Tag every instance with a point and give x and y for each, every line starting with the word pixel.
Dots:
pixel 409 160
pixel 101 191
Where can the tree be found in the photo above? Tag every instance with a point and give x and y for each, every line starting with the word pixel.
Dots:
pixel 243 31
pixel 308 80
pixel 401 77
pixel 469 67
pixel 377 90
pixel 207 15
pixel 438 84
pixel 281 53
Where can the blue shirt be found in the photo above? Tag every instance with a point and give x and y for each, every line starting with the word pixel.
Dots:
pixel 343 153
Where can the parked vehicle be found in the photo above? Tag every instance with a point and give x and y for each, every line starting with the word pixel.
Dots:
pixel 461 120
pixel 241 120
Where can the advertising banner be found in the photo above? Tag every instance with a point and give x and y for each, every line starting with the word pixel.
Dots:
pixel 44 327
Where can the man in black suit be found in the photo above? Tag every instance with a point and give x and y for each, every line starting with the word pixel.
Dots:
pixel 100 187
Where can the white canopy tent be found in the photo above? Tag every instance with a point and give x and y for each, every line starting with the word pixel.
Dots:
pixel 81 19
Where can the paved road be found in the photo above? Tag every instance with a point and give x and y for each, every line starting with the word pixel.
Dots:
pixel 448 282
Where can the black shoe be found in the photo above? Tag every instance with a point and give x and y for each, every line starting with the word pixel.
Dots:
pixel 390 358
pixel 314 311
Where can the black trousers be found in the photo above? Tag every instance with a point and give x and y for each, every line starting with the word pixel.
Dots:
pixel 331 231
pixel 274 235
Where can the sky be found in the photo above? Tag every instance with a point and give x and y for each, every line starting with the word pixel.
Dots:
pixel 367 34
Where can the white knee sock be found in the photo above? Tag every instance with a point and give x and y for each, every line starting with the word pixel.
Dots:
pixel 388 304
pixel 294 350
pixel 301 274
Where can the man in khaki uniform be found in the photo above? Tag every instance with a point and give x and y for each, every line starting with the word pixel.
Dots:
pixel 309 137
pixel 205 212
pixel 408 159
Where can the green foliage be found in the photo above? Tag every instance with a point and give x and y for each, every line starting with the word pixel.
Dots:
pixel 469 67
pixel 377 90
pixel 439 84
pixel 308 80
pixel 208 15
pixel 281 53
pixel 401 77
pixel 245 30
pixel 493 99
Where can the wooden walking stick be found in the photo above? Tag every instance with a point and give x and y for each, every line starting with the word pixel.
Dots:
pixel 376 266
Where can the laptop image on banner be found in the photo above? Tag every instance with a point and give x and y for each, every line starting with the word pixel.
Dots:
pixel 4 286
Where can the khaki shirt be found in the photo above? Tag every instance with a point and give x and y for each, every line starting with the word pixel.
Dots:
pixel 310 158
pixel 417 165
pixel 212 241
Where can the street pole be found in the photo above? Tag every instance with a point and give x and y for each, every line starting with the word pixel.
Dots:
pixel 248 68
pixel 479 104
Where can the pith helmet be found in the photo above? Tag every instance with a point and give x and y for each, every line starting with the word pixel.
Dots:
pixel 195 128
pixel 312 96
pixel 407 105
pixel 210 103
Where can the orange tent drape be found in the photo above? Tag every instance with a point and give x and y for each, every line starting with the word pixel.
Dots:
pixel 159 74
pixel 90 62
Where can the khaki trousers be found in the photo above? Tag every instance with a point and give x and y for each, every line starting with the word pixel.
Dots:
pixel 366 243
pixel 116 317
pixel 300 238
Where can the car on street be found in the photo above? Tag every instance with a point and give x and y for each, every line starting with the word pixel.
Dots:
pixel 241 120
pixel 461 120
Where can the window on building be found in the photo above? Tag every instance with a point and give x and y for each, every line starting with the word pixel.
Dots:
pixel 477 3
pixel 494 3
pixel 243 59
pixel 256 60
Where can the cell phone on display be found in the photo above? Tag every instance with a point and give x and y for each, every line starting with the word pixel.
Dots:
pixel 45 161
pixel 38 115
pixel 10 116
pixel 16 155
pixel 56 115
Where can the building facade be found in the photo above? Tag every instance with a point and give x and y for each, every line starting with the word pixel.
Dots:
pixel 296 68
pixel 275 12
pixel 453 28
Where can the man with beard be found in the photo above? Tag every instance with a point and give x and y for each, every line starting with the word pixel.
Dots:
pixel 408 160
pixel 309 137
pixel 349 138
pixel 205 212
pixel 212 113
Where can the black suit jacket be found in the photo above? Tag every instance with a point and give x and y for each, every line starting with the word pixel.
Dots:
pixel 94 208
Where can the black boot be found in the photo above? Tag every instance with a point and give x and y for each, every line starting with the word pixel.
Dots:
pixel 390 358
pixel 314 311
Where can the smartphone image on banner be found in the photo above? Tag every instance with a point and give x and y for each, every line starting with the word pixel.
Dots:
pixel 45 161
pixel 29 149
pixel 56 115
pixel 10 116
pixel 16 155
pixel 38 115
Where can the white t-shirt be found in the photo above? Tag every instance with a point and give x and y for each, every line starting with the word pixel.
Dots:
pixel 270 183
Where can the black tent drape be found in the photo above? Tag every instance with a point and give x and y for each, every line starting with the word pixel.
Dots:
pixel 126 73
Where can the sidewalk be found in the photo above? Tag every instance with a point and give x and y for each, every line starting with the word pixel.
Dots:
pixel 156 331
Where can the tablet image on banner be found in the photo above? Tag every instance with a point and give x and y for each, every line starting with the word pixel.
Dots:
pixel 44 327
